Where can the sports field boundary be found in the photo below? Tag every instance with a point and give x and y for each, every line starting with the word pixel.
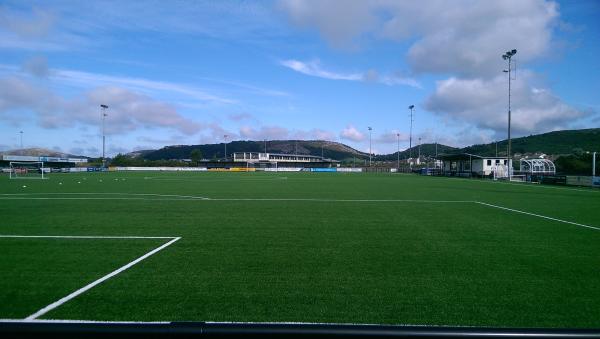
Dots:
pixel 98 281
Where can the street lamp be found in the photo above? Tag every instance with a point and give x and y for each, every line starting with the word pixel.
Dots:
pixel 103 108
pixel 225 138
pixel 508 56
pixel 370 152
pixel 398 135
pixel 411 107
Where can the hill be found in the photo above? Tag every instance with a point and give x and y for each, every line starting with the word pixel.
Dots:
pixel 554 143
pixel 39 152
pixel 329 149
pixel 427 150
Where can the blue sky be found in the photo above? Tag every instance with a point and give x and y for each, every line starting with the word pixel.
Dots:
pixel 191 72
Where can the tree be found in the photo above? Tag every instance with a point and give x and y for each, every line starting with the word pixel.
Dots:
pixel 195 155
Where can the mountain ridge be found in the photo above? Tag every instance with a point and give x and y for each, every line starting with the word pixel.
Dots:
pixel 551 143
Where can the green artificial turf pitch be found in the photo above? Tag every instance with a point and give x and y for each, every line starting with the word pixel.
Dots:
pixel 302 247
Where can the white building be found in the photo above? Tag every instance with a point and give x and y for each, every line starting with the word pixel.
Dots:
pixel 466 164
pixel 257 157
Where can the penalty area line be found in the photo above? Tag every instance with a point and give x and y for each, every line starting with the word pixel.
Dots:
pixel 537 215
pixel 98 281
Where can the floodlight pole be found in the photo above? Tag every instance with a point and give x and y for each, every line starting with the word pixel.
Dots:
pixel 496 148
pixel 398 135
pixel 103 108
pixel 594 164
pixel 21 132
pixel 508 56
pixel 419 150
pixel 225 138
pixel 370 152
pixel 411 107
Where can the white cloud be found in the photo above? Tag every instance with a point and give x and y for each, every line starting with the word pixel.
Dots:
pixel 314 68
pixel 140 84
pixel 484 103
pixel 264 132
pixel 89 80
pixel 36 66
pixel 339 22
pixel 391 137
pixel 36 25
pixel 20 99
pixel 352 134
pixel 465 37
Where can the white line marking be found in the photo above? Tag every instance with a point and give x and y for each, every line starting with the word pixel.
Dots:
pixel 91 198
pixel 537 215
pixel 67 321
pixel 100 193
pixel 39 196
pixel 339 200
pixel 104 278
pixel 74 321
pixel 80 236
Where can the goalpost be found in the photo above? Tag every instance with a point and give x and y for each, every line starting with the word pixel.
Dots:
pixel 28 170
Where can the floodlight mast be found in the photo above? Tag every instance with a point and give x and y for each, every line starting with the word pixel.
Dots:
pixel 398 135
pixel 593 165
pixel 225 138
pixel 411 107
pixel 508 56
pixel 103 107
pixel 370 152
pixel 21 132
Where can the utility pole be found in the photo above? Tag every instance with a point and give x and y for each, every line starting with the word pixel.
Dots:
pixel 370 152
pixel 508 56
pixel 398 135
pixel 103 108
pixel 225 137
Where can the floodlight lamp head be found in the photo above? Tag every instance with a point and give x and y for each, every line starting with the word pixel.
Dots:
pixel 513 52
pixel 505 70
pixel 411 106
pixel 104 106
pixel 504 56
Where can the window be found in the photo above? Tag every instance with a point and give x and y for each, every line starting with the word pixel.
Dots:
pixel 489 162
